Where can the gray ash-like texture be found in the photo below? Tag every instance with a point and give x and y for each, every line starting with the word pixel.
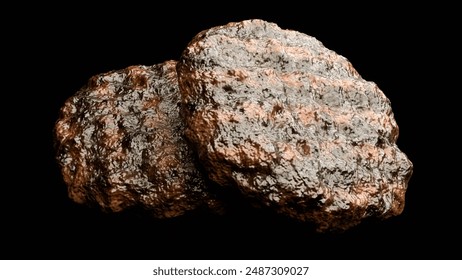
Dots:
pixel 120 144
pixel 292 125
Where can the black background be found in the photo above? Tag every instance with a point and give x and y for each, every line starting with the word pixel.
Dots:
pixel 55 50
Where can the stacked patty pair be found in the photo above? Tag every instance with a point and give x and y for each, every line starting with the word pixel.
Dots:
pixel 248 106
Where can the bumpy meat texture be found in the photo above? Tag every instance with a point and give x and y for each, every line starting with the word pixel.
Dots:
pixel 120 143
pixel 292 125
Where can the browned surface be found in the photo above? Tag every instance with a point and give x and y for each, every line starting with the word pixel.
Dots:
pixel 120 144
pixel 292 125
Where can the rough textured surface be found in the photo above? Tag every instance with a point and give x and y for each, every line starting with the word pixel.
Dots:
pixel 292 125
pixel 120 144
